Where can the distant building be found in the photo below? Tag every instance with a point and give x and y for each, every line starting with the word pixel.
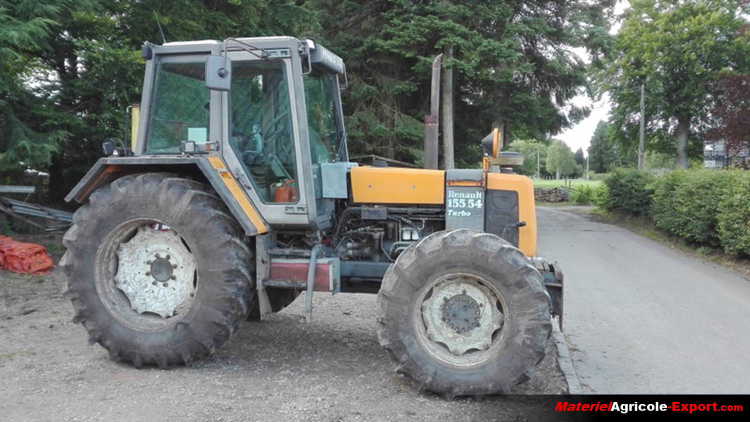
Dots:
pixel 715 156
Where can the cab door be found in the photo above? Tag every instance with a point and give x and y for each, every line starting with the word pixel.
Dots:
pixel 262 142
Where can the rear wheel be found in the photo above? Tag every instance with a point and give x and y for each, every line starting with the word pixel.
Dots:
pixel 157 271
pixel 464 313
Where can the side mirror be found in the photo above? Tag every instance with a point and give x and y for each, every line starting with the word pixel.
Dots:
pixel 110 148
pixel 219 73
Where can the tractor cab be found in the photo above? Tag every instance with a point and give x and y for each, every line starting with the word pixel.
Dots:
pixel 270 108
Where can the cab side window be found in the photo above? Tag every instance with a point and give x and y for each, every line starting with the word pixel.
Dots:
pixel 180 107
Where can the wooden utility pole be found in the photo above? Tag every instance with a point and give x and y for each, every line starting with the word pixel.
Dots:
pixel 642 140
pixel 538 174
pixel 587 166
pixel 431 125
pixel 448 149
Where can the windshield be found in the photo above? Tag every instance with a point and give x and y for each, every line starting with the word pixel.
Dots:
pixel 326 135
pixel 180 106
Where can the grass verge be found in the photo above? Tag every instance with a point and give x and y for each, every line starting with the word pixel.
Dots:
pixel 554 204
pixel 569 183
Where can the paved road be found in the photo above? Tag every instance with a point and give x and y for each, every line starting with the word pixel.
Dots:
pixel 643 318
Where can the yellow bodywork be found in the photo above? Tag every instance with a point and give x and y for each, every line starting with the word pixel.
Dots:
pixel 239 194
pixel 392 185
pixel 526 207
pixel 135 120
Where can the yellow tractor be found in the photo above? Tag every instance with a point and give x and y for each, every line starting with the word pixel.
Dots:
pixel 237 193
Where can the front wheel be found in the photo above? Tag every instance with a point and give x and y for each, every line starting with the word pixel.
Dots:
pixel 464 313
pixel 157 271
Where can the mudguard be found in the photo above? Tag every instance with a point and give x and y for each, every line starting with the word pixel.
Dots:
pixel 209 168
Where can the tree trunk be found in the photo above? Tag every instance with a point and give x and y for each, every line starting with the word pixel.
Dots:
pixel 683 131
pixel 390 151
pixel 642 132
pixel 57 188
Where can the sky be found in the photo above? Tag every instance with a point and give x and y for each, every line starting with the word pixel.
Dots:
pixel 579 136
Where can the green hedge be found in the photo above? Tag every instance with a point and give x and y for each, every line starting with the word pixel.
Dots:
pixel 708 207
pixel 583 194
pixel 628 191
pixel 734 215
pixel 588 194
pixel 686 204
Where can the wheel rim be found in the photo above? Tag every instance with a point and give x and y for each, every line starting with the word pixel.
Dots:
pixel 146 274
pixel 461 318
pixel 155 271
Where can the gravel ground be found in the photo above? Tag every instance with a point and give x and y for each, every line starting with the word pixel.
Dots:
pixel 332 369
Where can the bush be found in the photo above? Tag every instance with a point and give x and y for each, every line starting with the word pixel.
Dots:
pixel 686 203
pixel 628 191
pixel 734 215
pixel 598 176
pixel 588 194
pixel 663 206
pixel 583 194
pixel 601 196
pixel 707 207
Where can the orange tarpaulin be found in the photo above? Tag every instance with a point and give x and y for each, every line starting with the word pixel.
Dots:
pixel 20 257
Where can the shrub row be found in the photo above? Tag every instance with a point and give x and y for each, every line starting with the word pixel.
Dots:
pixel 707 207
pixel 584 194
pixel 628 191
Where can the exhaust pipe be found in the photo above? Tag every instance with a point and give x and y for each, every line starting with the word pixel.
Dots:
pixel 431 121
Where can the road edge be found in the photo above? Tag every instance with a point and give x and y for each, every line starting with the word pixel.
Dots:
pixel 565 361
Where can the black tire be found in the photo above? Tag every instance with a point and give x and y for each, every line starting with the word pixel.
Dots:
pixel 223 264
pixel 279 298
pixel 514 350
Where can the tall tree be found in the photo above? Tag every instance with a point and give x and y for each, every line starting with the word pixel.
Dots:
pixel 512 61
pixel 580 157
pixel 534 156
pixel 676 48
pixel 26 138
pixel 560 159
pixel 732 113
pixel 604 152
